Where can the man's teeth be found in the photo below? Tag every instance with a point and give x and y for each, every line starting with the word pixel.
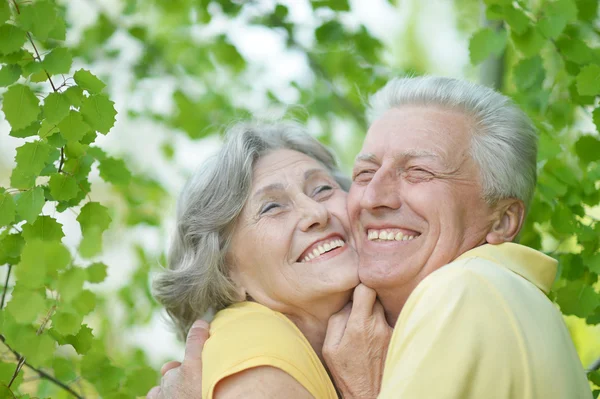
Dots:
pixel 386 235
pixel 321 249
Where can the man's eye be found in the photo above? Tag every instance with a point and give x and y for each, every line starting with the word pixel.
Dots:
pixel 363 176
pixel 418 174
pixel 269 206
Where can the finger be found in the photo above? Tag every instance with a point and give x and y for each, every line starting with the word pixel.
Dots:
pixel 336 326
pixel 168 366
pixel 363 301
pixel 194 343
pixel 153 393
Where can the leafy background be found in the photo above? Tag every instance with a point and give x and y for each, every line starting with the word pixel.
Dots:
pixel 87 194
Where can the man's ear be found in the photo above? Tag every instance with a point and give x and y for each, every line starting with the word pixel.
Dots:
pixel 510 214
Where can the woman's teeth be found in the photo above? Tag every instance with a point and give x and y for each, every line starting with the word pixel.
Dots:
pixel 321 249
pixel 386 235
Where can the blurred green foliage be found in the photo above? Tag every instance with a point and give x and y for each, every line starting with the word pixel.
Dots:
pixel 547 51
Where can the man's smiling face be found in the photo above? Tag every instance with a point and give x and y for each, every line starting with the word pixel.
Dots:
pixel 416 200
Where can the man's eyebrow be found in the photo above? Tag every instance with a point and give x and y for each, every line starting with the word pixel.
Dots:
pixel 417 153
pixel 270 187
pixel 366 157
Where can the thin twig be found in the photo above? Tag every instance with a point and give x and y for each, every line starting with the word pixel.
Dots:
pixel 5 286
pixel 16 373
pixel 42 373
pixel 40 60
pixel 62 159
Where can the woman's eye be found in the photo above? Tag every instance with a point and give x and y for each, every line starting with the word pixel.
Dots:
pixel 267 207
pixel 323 188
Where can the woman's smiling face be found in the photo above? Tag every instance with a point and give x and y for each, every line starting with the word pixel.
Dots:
pixel 290 247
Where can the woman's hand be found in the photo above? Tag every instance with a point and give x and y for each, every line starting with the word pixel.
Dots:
pixel 356 345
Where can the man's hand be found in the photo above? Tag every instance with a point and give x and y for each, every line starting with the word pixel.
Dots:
pixel 356 345
pixel 184 380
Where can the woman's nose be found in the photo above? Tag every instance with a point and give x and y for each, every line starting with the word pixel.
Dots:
pixel 314 215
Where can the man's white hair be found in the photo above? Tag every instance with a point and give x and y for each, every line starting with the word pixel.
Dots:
pixel 504 140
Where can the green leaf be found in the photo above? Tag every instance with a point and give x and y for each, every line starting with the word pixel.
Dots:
pixel 87 81
pixel 93 215
pixel 555 17
pixel 574 49
pixel 45 228
pixel 38 18
pixel 335 5
pixel 21 107
pixel 66 323
pixel 4 13
pixel 59 32
pixel 26 305
pixel 39 349
pixel 596 119
pixel 70 283
pixel 64 370
pixel 529 43
pixel 114 171
pixel 72 127
pixel 79 167
pixel 29 131
pixel 13 39
pixel 516 19
pixel 84 303
pixel 588 80
pixel 7 209
pixel 578 299
pixel 588 149
pixel 485 43
pixel 30 204
pixel 58 61
pixel 140 380
pixel 31 159
pixel 56 107
pixel 10 248
pixel 41 258
pixel 330 31
pixel 99 112
pixel 75 95
pixel 63 187
pixel 9 74
pixel 529 73
pixel 96 272
pixel 82 342
pixel 91 243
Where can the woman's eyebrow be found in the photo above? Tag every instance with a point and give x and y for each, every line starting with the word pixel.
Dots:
pixel 311 172
pixel 270 187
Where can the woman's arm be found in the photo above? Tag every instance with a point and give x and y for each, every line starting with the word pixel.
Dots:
pixel 260 383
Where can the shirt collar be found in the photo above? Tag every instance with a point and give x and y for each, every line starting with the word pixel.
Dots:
pixel 536 267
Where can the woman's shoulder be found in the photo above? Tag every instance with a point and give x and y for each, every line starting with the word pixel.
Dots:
pixel 250 327
pixel 248 335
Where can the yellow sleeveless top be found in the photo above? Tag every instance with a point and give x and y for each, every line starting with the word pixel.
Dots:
pixel 247 335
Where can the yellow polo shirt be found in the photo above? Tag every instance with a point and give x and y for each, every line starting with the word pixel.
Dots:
pixel 247 335
pixel 482 327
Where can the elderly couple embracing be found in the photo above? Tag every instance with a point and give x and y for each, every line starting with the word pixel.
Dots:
pixel 405 282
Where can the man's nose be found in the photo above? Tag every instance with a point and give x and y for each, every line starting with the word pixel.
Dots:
pixel 314 214
pixel 382 191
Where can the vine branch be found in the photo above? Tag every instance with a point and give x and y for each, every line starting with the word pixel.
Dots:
pixel 39 372
pixel 5 286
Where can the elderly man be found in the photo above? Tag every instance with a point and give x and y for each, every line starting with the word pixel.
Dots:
pixel 440 190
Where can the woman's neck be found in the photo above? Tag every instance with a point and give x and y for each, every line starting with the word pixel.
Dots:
pixel 312 321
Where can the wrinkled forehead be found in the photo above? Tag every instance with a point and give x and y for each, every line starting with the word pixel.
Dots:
pixel 419 130
pixel 285 165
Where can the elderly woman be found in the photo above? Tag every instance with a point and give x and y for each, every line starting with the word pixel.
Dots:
pixel 262 239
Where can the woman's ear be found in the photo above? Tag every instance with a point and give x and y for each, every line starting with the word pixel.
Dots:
pixel 510 214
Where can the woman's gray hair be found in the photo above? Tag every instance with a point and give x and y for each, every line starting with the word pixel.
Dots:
pixel 197 279
pixel 504 140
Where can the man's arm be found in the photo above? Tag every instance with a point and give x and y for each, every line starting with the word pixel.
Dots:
pixel 356 344
pixel 184 380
